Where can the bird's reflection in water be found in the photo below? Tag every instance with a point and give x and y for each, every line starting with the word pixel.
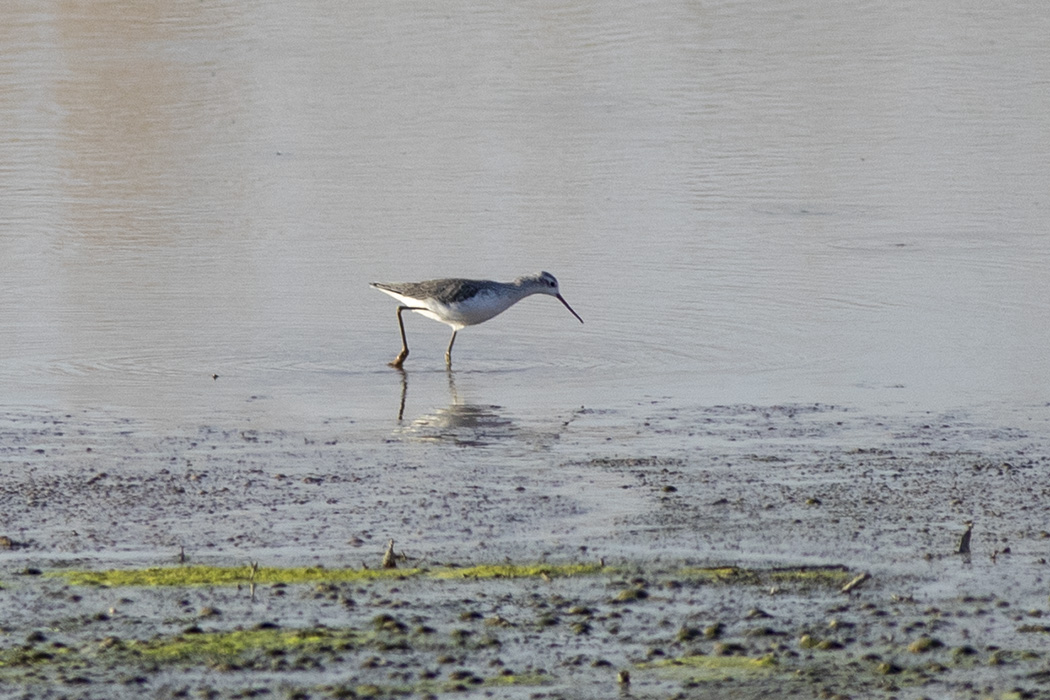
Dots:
pixel 460 423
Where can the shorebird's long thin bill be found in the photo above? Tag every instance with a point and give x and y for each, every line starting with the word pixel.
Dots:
pixel 562 300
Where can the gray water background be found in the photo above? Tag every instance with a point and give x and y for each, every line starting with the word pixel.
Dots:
pixel 766 203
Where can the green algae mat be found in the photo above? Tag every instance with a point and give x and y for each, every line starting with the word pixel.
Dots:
pixel 565 630
pixel 226 576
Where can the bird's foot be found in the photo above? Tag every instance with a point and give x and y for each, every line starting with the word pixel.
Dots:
pixel 399 360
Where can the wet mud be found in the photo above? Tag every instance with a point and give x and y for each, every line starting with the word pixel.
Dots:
pixel 650 551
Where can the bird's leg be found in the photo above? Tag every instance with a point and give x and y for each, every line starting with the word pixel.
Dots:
pixel 448 353
pixel 400 359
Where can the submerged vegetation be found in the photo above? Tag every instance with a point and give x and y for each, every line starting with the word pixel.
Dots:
pixel 224 575
pixel 243 575
pixel 712 667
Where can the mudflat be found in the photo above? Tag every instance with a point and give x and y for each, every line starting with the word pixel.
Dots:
pixel 653 551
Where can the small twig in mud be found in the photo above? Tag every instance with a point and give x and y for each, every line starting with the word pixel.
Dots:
pixel 253 569
pixel 856 583
pixel 389 560
pixel 964 541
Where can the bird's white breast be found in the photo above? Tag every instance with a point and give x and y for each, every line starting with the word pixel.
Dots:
pixel 477 309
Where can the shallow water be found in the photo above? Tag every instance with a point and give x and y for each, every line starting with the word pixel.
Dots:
pixel 787 203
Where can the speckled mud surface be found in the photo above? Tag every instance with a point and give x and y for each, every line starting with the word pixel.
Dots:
pixel 796 499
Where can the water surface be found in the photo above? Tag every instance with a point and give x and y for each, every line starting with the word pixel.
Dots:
pixel 783 203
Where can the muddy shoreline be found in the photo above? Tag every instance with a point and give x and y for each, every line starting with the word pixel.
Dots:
pixel 655 494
